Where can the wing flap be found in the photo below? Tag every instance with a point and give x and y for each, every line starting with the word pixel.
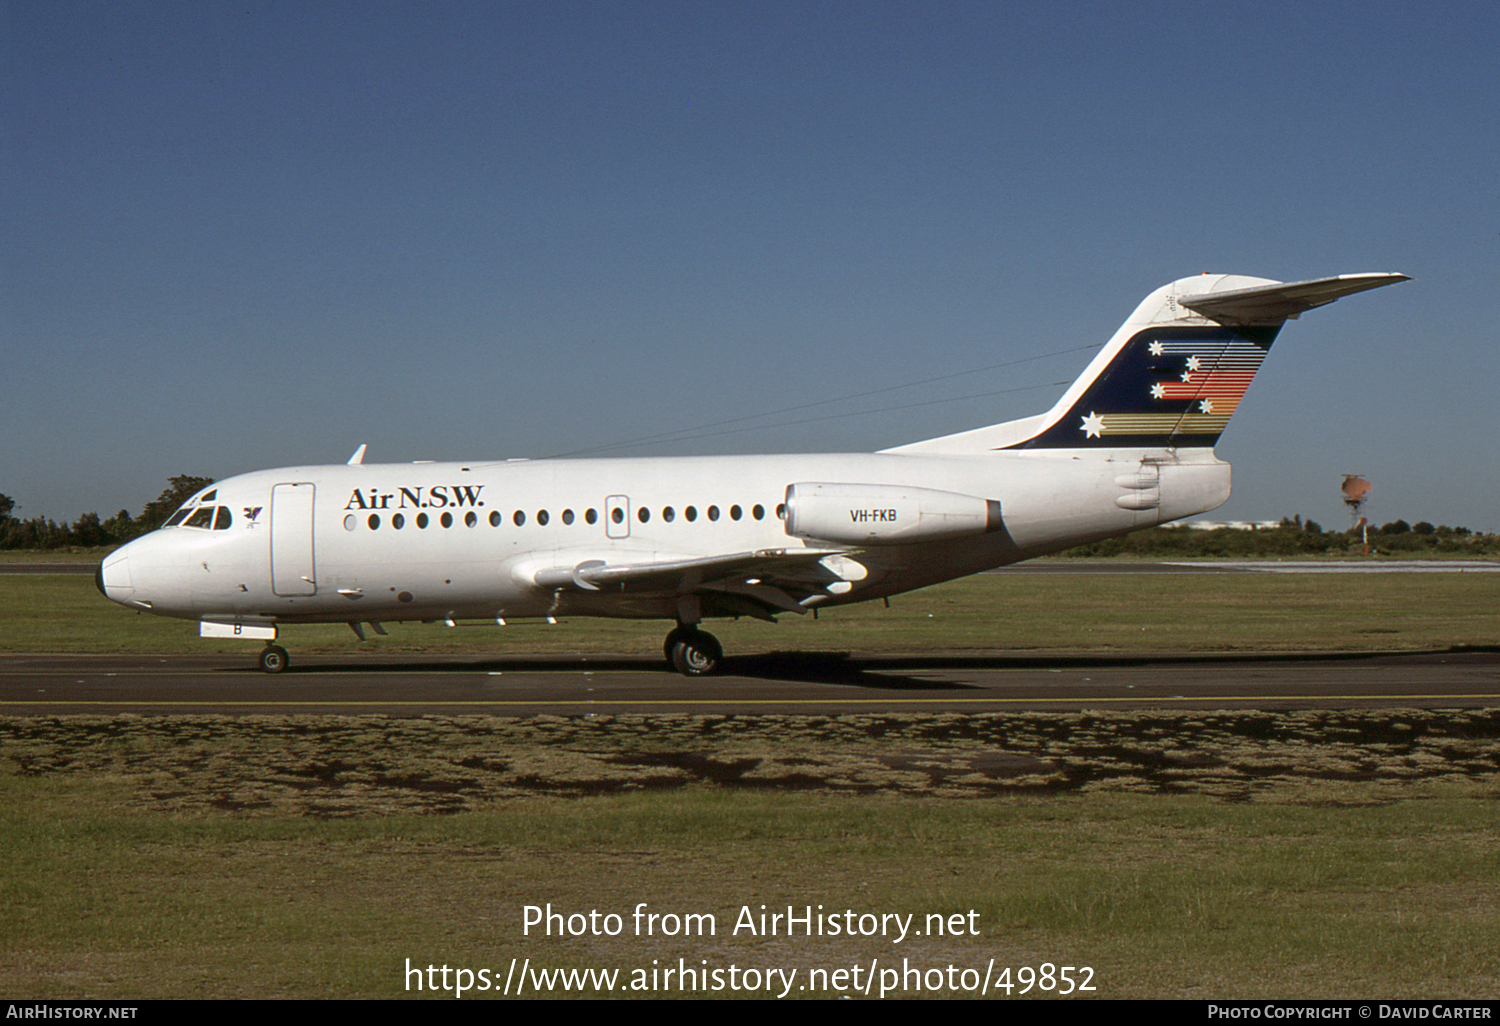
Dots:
pixel 774 567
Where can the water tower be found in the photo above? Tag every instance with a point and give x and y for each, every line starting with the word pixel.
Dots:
pixel 1355 489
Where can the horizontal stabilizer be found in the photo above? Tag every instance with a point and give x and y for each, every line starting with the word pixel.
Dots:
pixel 1272 304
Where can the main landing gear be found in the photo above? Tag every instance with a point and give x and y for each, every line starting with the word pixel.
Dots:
pixel 693 652
pixel 273 659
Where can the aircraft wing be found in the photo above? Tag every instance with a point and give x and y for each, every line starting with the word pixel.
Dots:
pixel 1272 304
pixel 776 579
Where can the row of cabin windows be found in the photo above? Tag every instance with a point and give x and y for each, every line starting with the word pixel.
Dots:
pixel 590 516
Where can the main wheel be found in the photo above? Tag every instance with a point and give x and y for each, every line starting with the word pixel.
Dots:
pixel 696 653
pixel 273 659
pixel 675 635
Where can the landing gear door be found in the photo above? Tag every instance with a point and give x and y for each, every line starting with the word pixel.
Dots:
pixel 292 540
pixel 617 516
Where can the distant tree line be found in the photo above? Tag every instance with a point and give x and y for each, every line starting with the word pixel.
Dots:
pixel 1296 537
pixel 89 530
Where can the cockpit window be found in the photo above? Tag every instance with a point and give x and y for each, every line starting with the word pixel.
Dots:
pixel 209 496
pixel 210 518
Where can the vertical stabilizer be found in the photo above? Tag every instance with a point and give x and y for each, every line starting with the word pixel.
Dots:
pixel 1174 372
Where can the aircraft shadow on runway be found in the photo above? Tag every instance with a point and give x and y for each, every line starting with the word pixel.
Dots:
pixel 884 672
pixel 796 667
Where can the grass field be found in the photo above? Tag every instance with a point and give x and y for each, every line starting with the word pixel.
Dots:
pixel 301 856
pixel 1179 855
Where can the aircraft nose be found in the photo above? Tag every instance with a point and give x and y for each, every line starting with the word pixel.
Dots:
pixel 113 577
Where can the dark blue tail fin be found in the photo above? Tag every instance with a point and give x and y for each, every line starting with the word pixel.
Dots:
pixel 1167 387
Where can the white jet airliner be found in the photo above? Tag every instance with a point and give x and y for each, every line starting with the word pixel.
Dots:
pixel 1129 445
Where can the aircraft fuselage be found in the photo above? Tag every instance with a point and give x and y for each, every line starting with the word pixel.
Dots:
pixel 428 541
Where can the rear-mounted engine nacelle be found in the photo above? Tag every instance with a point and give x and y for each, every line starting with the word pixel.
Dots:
pixel 873 514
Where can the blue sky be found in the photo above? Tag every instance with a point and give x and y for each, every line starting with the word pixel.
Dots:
pixel 259 234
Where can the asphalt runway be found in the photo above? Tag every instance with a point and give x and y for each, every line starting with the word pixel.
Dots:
pixel 31 569
pixel 810 683
pixel 1252 566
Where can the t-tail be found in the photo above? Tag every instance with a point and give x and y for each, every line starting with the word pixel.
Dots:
pixel 1173 374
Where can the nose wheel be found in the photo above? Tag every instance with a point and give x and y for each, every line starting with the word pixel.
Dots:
pixel 693 653
pixel 273 659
